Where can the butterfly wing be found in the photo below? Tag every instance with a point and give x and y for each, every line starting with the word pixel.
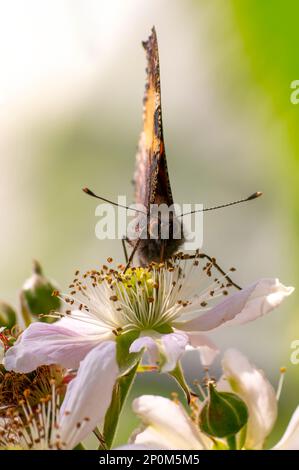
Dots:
pixel 152 185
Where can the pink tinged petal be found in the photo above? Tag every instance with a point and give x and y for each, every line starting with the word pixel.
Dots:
pixel 253 387
pixel 207 349
pixel 1 353
pixel 82 322
pixel 89 394
pixel 45 344
pixel 290 439
pixel 162 349
pixel 149 345
pixel 242 307
pixel 167 425
pixel 148 446
pixel 173 346
pixel 154 439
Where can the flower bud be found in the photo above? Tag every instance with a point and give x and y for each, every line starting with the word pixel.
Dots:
pixel 37 294
pixel 224 414
pixel 8 316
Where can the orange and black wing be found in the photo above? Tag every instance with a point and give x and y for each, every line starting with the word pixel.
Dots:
pixel 152 185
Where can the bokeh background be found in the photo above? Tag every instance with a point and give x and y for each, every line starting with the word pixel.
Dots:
pixel 71 86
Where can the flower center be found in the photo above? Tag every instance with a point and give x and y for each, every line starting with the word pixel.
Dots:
pixel 143 298
pixel 139 295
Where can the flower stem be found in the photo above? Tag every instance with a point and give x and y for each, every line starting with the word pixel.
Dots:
pixel 232 442
pixel 120 393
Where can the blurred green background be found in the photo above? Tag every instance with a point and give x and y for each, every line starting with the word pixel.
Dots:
pixel 71 89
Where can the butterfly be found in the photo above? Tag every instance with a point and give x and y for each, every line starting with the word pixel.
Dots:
pixel 151 178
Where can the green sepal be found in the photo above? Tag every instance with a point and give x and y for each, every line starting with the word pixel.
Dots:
pixel 79 446
pixel 128 364
pixel 219 445
pixel 242 437
pixel 178 375
pixel 164 329
pixel 120 392
pixel 37 295
pixel 8 316
pixel 126 360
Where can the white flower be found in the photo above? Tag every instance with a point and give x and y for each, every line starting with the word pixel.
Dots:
pixel 166 424
pixel 251 384
pixel 158 303
pixel 84 406
pixel 290 439
pixel 253 387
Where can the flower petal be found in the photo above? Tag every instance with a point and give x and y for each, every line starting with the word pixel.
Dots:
pixel 244 306
pixel 290 439
pixel 89 394
pixel 81 322
pixel 150 346
pixel 1 353
pixel 254 388
pixel 174 345
pixel 205 346
pixel 148 446
pixel 167 424
pixel 162 349
pixel 45 344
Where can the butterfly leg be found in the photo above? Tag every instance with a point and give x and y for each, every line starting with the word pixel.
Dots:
pixel 132 254
pixel 216 265
pixel 123 240
pixel 162 251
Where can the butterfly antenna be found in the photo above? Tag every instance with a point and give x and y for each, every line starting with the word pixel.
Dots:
pixel 249 198
pixel 91 193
